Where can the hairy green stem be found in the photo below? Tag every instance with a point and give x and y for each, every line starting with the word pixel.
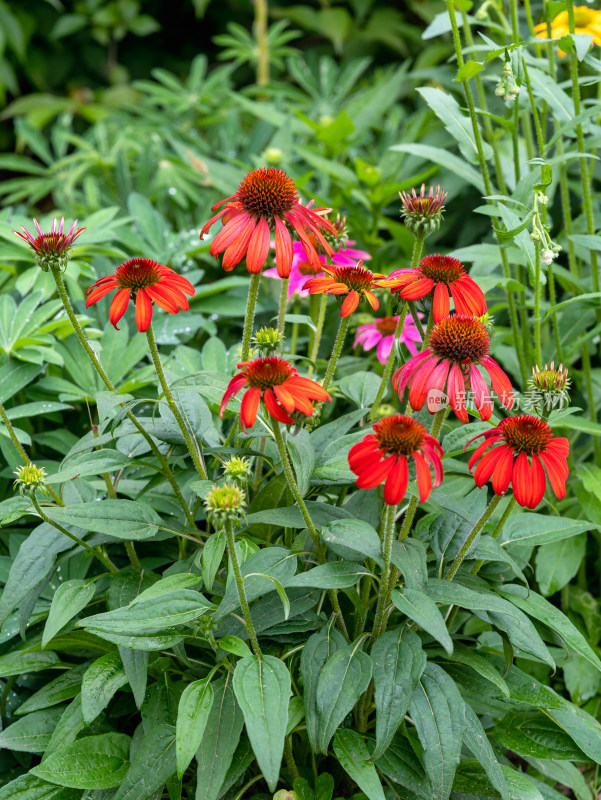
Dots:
pixel 383 591
pixel 497 532
pixel 389 363
pixel 318 332
pixel 22 452
pixel 283 304
pixel 104 559
pixel 338 344
pixel 296 493
pixel 190 443
pixel 231 549
pixel 261 19
pixel 472 537
pixel 166 470
pixel 253 291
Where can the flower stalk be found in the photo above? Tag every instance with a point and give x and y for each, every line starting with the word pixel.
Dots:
pixel 472 537
pixel 190 444
pixel 253 292
pixel 337 349
pixel 231 549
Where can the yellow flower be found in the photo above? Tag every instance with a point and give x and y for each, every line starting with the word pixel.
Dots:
pixel 587 22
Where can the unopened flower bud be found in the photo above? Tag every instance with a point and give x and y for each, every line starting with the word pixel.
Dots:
pixel 507 87
pixel 547 256
pixel 550 379
pixel 31 479
pixel 273 156
pixel 285 794
pixel 268 341
pixel 51 249
pixel 226 502
pixel 237 468
pixel 488 321
pixel 385 410
pixel 422 213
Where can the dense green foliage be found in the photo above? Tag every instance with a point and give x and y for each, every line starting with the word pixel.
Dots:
pixel 128 668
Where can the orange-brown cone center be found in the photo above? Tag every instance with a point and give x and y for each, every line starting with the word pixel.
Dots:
pixel 459 338
pixel 526 434
pixel 267 193
pixel 399 435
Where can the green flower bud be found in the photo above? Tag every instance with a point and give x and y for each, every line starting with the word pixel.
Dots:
pixel 31 479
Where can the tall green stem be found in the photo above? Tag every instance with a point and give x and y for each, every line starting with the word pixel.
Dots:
pixel 105 560
pixel 338 344
pixel 253 291
pixel 488 187
pixel 318 331
pixel 296 493
pixel 383 591
pixel 231 549
pixel 283 304
pixel 190 444
pixel 472 537
pixel 537 296
pixel 62 293
pixel 497 532
pixel 389 363
pixel 22 452
pixel 261 19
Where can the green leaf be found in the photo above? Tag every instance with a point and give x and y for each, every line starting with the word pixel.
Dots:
pixel 502 614
pixel 533 734
pixel 302 455
pixel 530 528
pixel 276 562
pixel 28 787
pixel 333 575
pixel 352 754
pixel 235 645
pixel 472 783
pixel 343 679
pixel 65 687
pixel 477 741
pixel 316 652
pixel 361 388
pixel 152 765
pixel 20 663
pixel 135 664
pixel 322 514
pixel 172 583
pixel 402 766
pixel 410 557
pixel 100 682
pixel 219 742
pixel 192 716
pixel 584 729
pixel 32 733
pixel 546 88
pixel 468 70
pixel 151 616
pixel 67 728
pixel 212 553
pixel 263 689
pixel 353 539
pixel 94 463
pixel 456 123
pixel 68 600
pixel 467 656
pixel 438 711
pixel 94 762
pixel 398 664
pixel 558 562
pixel 122 519
pixel 422 609
pixel 447 160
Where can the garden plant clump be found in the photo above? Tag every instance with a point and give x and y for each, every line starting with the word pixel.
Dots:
pixel 299 384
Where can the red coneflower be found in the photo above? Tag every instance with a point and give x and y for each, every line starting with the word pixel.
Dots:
pixel 355 282
pixel 150 283
pixel 442 274
pixel 514 441
pixel 278 384
pixel 457 347
pixel 382 456
pixel 266 201
pixel 53 246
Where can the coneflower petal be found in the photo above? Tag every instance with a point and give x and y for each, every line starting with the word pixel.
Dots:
pixel 119 306
pixel 396 482
pixel 143 310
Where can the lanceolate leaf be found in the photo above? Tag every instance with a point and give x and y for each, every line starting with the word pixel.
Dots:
pixel 31 733
pixel 192 715
pixel 354 757
pixel 135 664
pixel 122 519
pixel 152 765
pixel 398 663
pixel 263 689
pixel 438 712
pixel 477 741
pixel 316 652
pixel 219 741
pixel 102 679
pixel 69 599
pixel 342 681
pixel 152 616
pixel 28 787
pixel 94 762
pixel 420 608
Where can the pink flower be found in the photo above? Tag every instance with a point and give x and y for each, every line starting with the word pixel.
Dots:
pixel 381 332
pixel 302 268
